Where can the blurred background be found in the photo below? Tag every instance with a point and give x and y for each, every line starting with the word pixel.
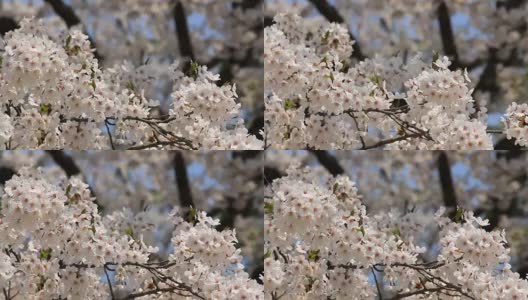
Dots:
pixel 492 184
pixel 227 185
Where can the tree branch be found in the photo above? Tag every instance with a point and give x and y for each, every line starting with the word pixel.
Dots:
pixel 270 174
pixel 182 181
pixel 109 283
pixel 65 162
pixel 510 4
pixel 6 174
pixel 6 25
pixel 65 12
pixel 446 183
pixel 448 38
pixel 329 162
pixel 182 31
pixel 392 140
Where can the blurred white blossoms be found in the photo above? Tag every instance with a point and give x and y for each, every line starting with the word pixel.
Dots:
pixel 315 99
pixel 516 123
pixel 321 243
pixel 55 244
pixel 56 96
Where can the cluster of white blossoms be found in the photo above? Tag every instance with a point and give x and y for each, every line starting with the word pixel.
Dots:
pixel 55 244
pixel 320 243
pixel 316 99
pixel 516 123
pixel 54 95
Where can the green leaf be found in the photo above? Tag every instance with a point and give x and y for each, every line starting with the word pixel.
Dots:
pixel 68 189
pixel 330 76
pixel 195 68
pixel 45 109
pixel 130 232
pixel 376 79
pixel 396 232
pixel 45 254
pixel 193 215
pixel 68 41
pixel 268 207
pixel 289 104
pixel 73 50
pixel 130 85
pixel 267 254
pixel 362 230
pixel 346 66
pixel 335 187
pixel 74 199
pixel 459 214
pixel 313 255
pixel 93 78
pixel 92 221
pixel 326 36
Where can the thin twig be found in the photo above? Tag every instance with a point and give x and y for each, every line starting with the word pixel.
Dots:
pixel 380 296
pixel 109 135
pixel 109 283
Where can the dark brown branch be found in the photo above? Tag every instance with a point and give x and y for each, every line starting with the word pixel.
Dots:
pixel 109 283
pixel 247 4
pixel 182 31
pixel 422 291
pixel 393 140
pixel 488 79
pixel 65 162
pixel 446 183
pixel 270 174
pixel 257 123
pixel 448 37
pixel 332 15
pixel 6 25
pixel 6 174
pixel 380 295
pixel 228 214
pixel 65 12
pixel 182 181
pixel 329 162
pixel 71 19
pixel 510 4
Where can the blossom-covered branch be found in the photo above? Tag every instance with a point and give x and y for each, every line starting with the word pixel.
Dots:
pixel 55 244
pixel 322 243
pixel 317 98
pixel 54 95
